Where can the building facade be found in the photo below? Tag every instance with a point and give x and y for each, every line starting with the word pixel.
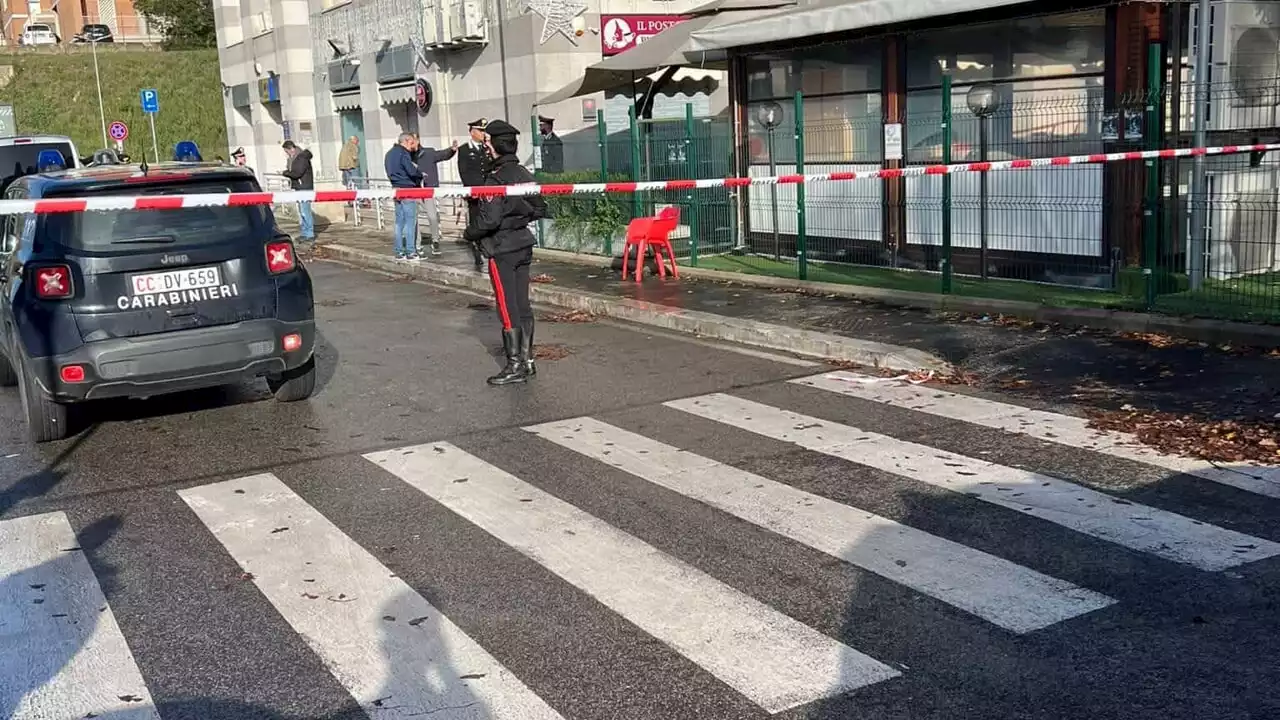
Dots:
pixel 68 16
pixel 1032 79
pixel 320 71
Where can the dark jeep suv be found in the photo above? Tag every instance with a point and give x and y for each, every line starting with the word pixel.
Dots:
pixel 136 303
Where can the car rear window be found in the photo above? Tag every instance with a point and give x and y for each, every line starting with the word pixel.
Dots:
pixel 119 230
pixel 19 160
pixel 38 28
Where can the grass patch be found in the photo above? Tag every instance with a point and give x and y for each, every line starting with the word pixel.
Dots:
pixel 55 94
pixel 1249 298
pixel 920 282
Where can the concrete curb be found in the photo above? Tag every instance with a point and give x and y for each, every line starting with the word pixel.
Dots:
pixel 746 332
pixel 1214 332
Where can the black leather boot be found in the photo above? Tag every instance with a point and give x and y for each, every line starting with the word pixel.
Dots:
pixel 526 348
pixel 513 372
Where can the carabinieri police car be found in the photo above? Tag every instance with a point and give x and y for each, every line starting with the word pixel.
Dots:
pixel 137 303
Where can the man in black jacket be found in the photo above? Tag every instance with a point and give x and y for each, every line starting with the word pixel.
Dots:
pixel 501 229
pixel 473 158
pixel 301 178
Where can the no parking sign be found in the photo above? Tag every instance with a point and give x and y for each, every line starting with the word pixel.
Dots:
pixel 118 131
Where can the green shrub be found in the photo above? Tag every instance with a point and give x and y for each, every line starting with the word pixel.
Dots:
pixel 597 216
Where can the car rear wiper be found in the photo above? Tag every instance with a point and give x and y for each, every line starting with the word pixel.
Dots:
pixel 152 240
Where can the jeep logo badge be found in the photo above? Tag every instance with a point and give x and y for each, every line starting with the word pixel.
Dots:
pixel 174 259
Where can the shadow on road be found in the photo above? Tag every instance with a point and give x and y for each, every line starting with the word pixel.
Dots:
pixel 409 673
pixel 1179 643
pixel 31 601
pixel 37 484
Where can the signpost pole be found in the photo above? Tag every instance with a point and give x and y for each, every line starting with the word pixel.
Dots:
pixel 155 146
pixel 151 106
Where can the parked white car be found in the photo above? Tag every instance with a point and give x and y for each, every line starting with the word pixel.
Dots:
pixel 39 34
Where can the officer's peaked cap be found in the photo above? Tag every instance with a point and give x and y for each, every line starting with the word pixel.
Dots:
pixel 500 128
pixel 479 124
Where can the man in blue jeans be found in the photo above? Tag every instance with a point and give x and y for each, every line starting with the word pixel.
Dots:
pixel 301 178
pixel 403 172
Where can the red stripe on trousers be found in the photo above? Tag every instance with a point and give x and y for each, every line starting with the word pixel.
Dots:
pixel 499 294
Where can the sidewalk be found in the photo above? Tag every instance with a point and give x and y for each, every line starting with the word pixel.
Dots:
pixel 1110 371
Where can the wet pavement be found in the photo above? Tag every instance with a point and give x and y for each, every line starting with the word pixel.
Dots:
pixel 1089 368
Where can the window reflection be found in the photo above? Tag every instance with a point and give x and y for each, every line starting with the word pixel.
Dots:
pixel 1057 45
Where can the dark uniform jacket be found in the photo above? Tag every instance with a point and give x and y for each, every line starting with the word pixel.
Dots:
pixel 299 171
pixel 502 223
pixel 471 164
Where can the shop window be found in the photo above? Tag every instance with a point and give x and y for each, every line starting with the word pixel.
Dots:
pixel 824 70
pixel 1046 46
pixel 839 129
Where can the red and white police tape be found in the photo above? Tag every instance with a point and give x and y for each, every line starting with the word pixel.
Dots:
pixel 174 202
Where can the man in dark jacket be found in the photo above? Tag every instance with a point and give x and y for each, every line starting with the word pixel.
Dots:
pixel 301 178
pixel 501 228
pixel 473 158
pixel 403 172
pixel 427 158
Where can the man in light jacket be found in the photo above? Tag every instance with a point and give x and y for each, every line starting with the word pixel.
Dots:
pixel 404 173
pixel 427 158
pixel 349 160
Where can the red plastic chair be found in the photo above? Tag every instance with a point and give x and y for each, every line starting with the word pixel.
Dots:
pixel 660 238
pixel 637 236
pixel 655 231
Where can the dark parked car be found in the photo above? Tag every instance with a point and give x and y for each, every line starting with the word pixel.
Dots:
pixel 94 33
pixel 137 303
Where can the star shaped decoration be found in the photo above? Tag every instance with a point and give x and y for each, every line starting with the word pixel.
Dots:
pixel 557 16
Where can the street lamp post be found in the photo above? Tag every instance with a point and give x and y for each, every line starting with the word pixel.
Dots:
pixel 97 78
pixel 983 102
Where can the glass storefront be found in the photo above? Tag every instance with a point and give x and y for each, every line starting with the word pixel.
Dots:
pixel 1046 77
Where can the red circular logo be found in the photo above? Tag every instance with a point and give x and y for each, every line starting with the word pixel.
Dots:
pixel 422 94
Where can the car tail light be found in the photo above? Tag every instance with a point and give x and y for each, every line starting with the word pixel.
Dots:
pixel 72 373
pixel 53 282
pixel 292 342
pixel 280 257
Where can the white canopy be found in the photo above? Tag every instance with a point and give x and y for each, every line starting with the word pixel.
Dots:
pixel 829 16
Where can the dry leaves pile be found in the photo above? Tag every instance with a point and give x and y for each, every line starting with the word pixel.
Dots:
pixel 542 278
pixel 551 352
pixel 572 316
pixel 959 377
pixel 1220 440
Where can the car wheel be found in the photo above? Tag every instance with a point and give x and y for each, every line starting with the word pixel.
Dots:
pixel 46 420
pixel 8 378
pixel 296 384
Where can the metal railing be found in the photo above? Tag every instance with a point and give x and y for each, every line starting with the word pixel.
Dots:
pixel 1109 236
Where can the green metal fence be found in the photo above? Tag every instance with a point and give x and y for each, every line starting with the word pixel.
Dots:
pixel 1122 235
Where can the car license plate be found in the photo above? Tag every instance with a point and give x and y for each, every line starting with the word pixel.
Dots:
pixel 173 280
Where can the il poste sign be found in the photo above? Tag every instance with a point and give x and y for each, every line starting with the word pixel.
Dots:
pixel 619 33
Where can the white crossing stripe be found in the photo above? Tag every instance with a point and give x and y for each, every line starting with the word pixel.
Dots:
pixel 1159 532
pixel 62 655
pixel 392 650
pixel 770 658
pixel 1001 592
pixel 1042 425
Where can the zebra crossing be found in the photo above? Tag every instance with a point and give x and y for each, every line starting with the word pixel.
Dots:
pixel 396 652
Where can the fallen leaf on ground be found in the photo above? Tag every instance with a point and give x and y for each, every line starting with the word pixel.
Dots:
pixel 961 377
pixel 1156 340
pixel 551 352
pixel 1187 435
pixel 542 278
pixel 572 316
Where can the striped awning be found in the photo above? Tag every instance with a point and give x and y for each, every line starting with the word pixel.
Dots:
pixel 346 101
pixel 399 94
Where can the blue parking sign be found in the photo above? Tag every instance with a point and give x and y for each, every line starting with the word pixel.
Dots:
pixel 150 101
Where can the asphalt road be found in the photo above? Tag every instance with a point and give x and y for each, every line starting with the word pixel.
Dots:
pixel 409 544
